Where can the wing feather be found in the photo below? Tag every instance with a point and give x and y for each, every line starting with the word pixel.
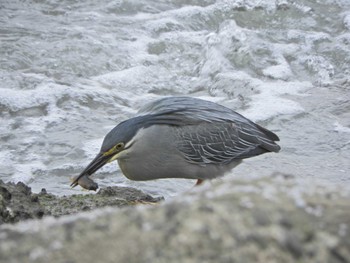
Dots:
pixel 208 132
pixel 225 146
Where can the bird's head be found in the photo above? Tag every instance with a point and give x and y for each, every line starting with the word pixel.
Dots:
pixel 115 144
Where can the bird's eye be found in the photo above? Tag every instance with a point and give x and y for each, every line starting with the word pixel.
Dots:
pixel 119 146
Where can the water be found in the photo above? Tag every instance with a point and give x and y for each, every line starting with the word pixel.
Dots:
pixel 71 70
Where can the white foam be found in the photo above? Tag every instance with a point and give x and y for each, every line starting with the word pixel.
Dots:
pixel 269 101
pixel 281 71
pixel 340 128
pixel 346 20
pixel 26 172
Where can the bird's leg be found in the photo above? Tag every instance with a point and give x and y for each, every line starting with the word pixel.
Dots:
pixel 199 182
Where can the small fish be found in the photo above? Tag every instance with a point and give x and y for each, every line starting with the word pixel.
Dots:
pixel 85 182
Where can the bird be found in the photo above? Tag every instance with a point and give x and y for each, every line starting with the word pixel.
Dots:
pixel 180 137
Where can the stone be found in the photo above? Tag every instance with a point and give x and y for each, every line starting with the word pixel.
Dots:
pixel 272 219
pixel 18 203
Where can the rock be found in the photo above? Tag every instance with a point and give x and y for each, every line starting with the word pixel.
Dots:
pixel 127 193
pixel 17 202
pixel 110 196
pixel 258 220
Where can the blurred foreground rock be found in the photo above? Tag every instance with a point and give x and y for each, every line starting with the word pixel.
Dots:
pixel 262 220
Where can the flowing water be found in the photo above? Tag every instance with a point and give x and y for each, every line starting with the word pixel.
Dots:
pixel 71 70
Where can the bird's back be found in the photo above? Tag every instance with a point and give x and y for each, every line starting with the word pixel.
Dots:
pixel 210 133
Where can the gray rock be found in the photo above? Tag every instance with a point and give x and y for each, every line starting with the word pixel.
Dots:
pixel 18 203
pixel 259 220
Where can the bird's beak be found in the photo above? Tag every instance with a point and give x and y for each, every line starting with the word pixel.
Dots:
pixel 99 161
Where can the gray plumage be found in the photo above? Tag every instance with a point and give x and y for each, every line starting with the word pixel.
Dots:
pixel 183 137
pixel 203 133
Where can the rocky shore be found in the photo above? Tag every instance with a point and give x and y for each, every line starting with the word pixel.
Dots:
pixel 275 219
pixel 18 203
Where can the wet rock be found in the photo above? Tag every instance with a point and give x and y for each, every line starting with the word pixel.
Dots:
pixel 110 196
pixel 258 220
pixel 17 202
pixel 5 194
pixel 128 193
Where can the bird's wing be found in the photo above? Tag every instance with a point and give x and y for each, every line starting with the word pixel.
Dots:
pixel 218 143
pixel 194 110
pixel 188 110
pixel 247 138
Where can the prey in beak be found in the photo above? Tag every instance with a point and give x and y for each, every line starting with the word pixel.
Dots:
pixel 84 179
